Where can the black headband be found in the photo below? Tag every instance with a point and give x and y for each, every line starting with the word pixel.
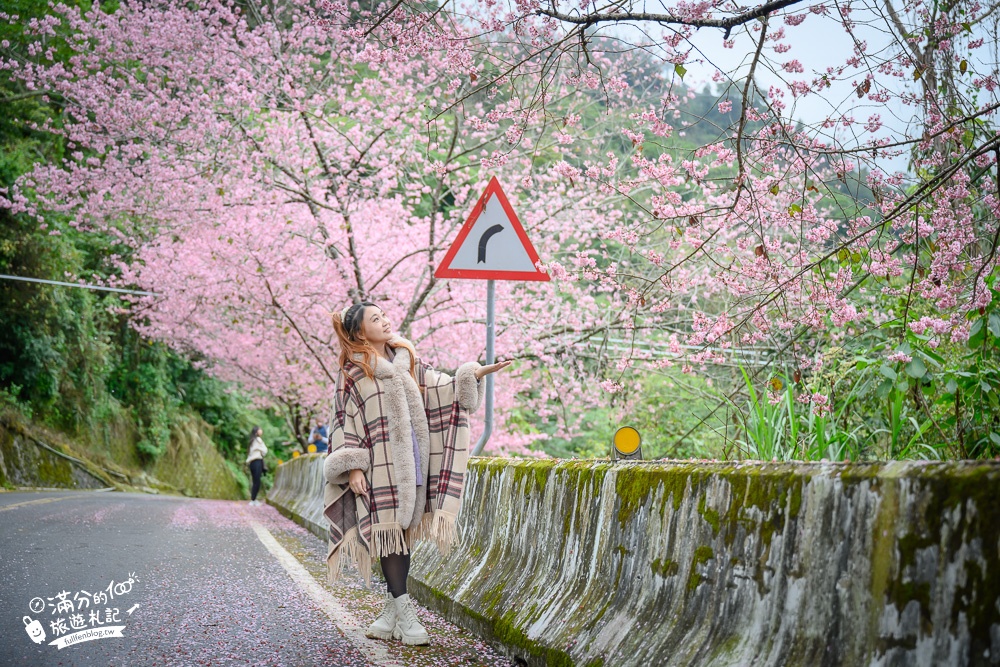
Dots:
pixel 354 315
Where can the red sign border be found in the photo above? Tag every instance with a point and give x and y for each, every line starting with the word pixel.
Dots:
pixel 445 271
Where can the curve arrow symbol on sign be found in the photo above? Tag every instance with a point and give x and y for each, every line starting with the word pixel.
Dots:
pixel 484 239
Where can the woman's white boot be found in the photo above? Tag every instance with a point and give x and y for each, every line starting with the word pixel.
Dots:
pixel 408 628
pixel 385 624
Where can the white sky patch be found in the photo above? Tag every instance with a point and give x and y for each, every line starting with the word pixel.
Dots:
pixel 818 43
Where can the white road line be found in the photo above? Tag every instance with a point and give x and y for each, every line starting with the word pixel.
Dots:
pixel 341 617
pixel 38 502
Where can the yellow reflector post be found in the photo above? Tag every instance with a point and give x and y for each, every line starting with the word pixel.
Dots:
pixel 627 441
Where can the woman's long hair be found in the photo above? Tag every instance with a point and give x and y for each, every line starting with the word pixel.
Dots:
pixel 253 435
pixel 348 332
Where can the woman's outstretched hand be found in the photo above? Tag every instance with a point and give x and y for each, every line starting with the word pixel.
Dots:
pixel 483 371
pixel 359 484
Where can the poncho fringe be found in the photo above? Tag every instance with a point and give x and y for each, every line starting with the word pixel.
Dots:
pixel 388 539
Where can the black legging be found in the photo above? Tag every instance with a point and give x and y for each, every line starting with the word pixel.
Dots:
pixel 395 567
pixel 256 469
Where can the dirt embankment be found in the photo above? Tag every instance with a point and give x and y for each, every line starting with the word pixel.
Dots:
pixel 37 457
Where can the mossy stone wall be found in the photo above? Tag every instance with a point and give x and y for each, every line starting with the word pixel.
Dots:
pixel 191 465
pixel 594 563
pixel 24 464
pixel 298 492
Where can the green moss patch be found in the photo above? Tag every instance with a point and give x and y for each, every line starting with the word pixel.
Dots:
pixel 665 567
pixel 702 555
pixel 507 631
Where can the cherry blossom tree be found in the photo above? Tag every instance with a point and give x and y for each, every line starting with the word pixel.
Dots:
pixel 787 233
pixel 261 171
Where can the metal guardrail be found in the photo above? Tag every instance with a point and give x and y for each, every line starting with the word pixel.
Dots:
pixel 736 356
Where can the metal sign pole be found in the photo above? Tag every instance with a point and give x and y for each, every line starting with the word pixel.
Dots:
pixel 490 358
pixel 491 246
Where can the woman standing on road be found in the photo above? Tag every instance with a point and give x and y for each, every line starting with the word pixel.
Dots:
pixel 399 444
pixel 255 459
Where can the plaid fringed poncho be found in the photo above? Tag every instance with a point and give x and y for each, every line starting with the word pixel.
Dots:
pixel 372 430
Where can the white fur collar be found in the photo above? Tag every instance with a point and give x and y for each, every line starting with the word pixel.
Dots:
pixel 385 369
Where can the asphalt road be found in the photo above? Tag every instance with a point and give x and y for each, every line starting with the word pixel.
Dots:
pixel 190 582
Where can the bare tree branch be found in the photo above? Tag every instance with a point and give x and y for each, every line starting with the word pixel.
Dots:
pixel 728 24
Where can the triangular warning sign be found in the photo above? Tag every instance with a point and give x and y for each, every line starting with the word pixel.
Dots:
pixel 492 244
